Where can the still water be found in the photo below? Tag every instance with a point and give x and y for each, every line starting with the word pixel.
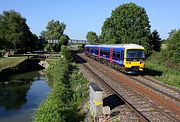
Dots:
pixel 21 96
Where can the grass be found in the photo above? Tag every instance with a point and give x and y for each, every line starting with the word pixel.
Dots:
pixel 162 73
pixel 53 58
pixel 51 61
pixel 11 61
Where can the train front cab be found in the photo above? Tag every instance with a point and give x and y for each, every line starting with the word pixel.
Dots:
pixel 134 59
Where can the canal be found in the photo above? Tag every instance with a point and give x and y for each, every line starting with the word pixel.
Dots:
pixel 21 95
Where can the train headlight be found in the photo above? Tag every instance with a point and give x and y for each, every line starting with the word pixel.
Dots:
pixel 141 62
pixel 128 62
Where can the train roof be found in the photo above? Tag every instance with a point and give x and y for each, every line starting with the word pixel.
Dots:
pixel 117 46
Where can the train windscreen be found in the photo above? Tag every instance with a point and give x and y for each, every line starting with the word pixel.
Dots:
pixel 135 53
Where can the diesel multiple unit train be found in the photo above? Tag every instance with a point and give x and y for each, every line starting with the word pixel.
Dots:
pixel 124 57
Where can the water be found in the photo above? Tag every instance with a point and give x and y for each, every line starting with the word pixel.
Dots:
pixel 21 96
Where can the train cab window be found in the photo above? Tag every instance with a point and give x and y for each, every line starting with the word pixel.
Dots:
pixel 135 53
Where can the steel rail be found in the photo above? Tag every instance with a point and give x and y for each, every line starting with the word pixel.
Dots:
pixel 138 113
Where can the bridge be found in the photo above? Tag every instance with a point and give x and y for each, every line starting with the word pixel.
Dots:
pixel 76 41
pixel 71 41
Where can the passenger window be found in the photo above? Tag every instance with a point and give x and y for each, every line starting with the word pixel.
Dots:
pixel 114 54
pixel 118 55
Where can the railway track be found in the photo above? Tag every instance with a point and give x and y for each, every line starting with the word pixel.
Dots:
pixel 167 91
pixel 145 106
pixel 142 118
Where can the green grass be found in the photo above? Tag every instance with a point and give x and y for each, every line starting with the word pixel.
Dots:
pixel 11 61
pixel 51 61
pixel 162 73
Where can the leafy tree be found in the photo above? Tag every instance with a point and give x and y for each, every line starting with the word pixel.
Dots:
pixel 48 48
pixel 14 31
pixel 128 23
pixel 155 41
pixel 92 38
pixel 173 48
pixel 64 39
pixel 55 30
pixel 66 52
pixel 172 32
pixel 42 35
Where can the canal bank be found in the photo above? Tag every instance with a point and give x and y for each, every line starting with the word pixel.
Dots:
pixel 21 95
pixel 24 66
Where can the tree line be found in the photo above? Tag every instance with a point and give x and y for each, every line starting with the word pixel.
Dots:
pixel 15 34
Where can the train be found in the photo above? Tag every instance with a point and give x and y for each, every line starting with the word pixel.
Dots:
pixel 129 58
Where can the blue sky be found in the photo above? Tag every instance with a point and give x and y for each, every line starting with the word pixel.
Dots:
pixel 81 16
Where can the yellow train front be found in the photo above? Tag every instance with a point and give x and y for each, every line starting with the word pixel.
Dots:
pixel 134 58
pixel 125 57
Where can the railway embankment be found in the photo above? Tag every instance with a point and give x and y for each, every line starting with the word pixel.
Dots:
pixel 159 69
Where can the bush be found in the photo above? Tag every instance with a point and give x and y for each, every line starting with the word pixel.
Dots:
pixel 66 52
pixel 163 69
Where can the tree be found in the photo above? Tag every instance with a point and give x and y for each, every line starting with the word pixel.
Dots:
pixel 92 38
pixel 42 35
pixel 172 32
pixel 64 39
pixel 66 52
pixel 173 48
pixel 48 48
pixel 155 41
pixel 128 23
pixel 55 30
pixel 14 31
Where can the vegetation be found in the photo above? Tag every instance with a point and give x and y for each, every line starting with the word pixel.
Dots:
pixel 15 33
pixel 129 23
pixel 69 91
pixel 161 72
pixel 155 41
pixel 165 65
pixel 171 55
pixel 92 37
pixel 55 31
pixel 64 40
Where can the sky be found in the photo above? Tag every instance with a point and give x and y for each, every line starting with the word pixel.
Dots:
pixel 82 16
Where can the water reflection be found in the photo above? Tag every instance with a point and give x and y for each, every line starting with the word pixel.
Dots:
pixel 13 94
pixel 20 95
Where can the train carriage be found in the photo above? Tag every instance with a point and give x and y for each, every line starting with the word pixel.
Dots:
pixel 128 57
